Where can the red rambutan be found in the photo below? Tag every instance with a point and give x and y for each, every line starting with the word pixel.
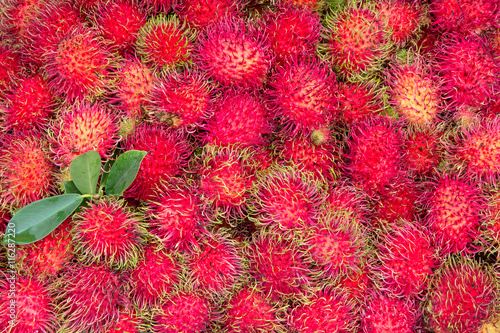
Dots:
pixel 10 67
pixel 311 5
pixel 346 200
pixel 357 102
pixel 356 284
pixel 401 18
pixel 422 152
pixel 127 322
pixel 200 14
pixel 19 14
pixel 159 6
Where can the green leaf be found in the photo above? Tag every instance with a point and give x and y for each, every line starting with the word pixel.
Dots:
pixel 69 187
pixel 124 171
pixel 107 167
pixel 38 219
pixel 84 170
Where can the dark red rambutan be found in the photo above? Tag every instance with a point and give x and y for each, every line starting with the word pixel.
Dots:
pixel 346 200
pixel 154 277
pixel 357 101
pixel 401 18
pixel 464 296
pixel 423 152
pixel 26 305
pixel 78 65
pixel 89 297
pixel 26 172
pixel 80 128
pixel 10 67
pixel 159 6
pixel 127 322
pixel 240 118
pixel 19 14
pixel 325 311
pixel 30 105
pixel 356 284
pixel 164 43
pixel 234 53
pixel 199 14
pixel 303 95
pixel 168 152
pixel 292 32
pixel 468 69
pixel 311 5
pixel 181 100
pixel 454 212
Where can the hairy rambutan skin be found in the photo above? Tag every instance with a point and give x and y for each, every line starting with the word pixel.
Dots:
pixel 469 70
pixel 19 15
pixel 89 297
pixel 454 212
pixel 346 200
pixel 325 311
pixel 154 278
pixel 311 5
pixel 80 128
pixel 10 66
pixel 127 322
pixel 199 14
pixel 356 285
pixel 78 65
pixel 357 101
pixel 182 100
pixel 30 106
pixel 234 53
pixel 26 172
pixel 240 118
pixel 303 95
pixel 423 152
pixel 168 152
pixel 463 296
pixel 402 18
pixel 159 6
pixel 292 32
pixel 34 305
pixel 164 43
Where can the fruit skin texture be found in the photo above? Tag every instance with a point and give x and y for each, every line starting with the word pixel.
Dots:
pixel 463 296
pixel 234 54
pixel 401 18
pixel 357 102
pixel 423 152
pixel 34 306
pixel 80 128
pixel 128 322
pixel 26 172
pixel 200 14
pixel 10 66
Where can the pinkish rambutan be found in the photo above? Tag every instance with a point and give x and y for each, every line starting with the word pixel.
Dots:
pixel 30 105
pixel 168 152
pixel 325 311
pixel 27 305
pixel 423 152
pixel 469 70
pixel 234 53
pixel 401 18
pixel 182 100
pixel 26 172
pixel 119 22
pixel 80 128
pixel 164 43
pixel 78 65
pixel 19 14
pixel 199 14
pixel 292 32
pixel 89 298
pixel 303 95
pixel 492 218
pixel 356 284
pixel 108 231
pixel 127 322
pixel 344 199
pixel 154 277
pixel 464 296
pixel 454 212
pixel 240 118
pixel 10 67
pixel 357 102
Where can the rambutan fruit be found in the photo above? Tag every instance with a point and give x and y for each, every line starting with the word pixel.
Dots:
pixel 78 65
pixel 465 16
pixel 375 154
pixel 292 32
pixel 279 265
pixel 108 231
pixel 287 199
pixel 47 257
pixel 345 200
pixel 357 40
pixel 158 6
pixel 10 67
pixel 80 128
pixel 357 101
pixel 383 313
pixel 19 15
pixel 492 218
pixel 127 322
pixel 401 18
pixel 414 92
pixel 407 258
pixel 469 70
pixel 214 264
pixel 356 284
pixel 164 43
pixel 423 152
pixel 168 152
pixel 240 118
pixel 154 277
pixel 30 105
pixel 464 296
pixel 234 53
pixel 89 298
pixel 311 5
pixel 26 172
pixel 119 22
pixel 454 212
pixel 176 217
pixel 183 312
pixel 29 303
pixel 325 311
pixel 303 95
pixel 182 100
pixel 199 14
